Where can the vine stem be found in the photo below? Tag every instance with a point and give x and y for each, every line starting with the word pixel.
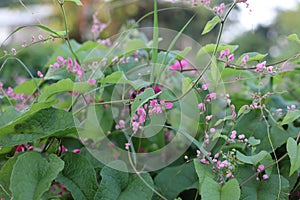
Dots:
pixel 61 4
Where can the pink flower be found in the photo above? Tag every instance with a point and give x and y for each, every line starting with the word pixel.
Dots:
pixel 202 107
pixel 212 130
pixel 179 65
pixel 261 66
pixel 135 126
pixel 60 59
pixel 39 73
pixel 14 51
pixel 208 117
pixel 265 176
pixel 245 59
pixel 205 2
pixel 204 87
pixel 211 96
pixel 260 167
pixel 92 81
pixel 169 105
pixel 76 151
pixel 233 134
pixel 230 57
pixel 242 136
pixel 127 145
pixel 224 53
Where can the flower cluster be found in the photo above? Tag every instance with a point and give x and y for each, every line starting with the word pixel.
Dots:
pixel 70 65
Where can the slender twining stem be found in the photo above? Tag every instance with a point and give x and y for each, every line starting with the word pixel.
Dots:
pixel 61 4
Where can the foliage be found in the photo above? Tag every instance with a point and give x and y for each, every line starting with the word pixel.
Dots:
pixel 130 117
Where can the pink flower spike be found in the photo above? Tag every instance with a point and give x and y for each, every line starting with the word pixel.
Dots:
pixel 265 176
pixel 39 73
pixel 212 130
pixel 233 134
pixel 293 107
pixel 135 126
pixel 92 81
pixel 224 53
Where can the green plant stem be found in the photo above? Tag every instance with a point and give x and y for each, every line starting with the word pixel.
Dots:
pixel 61 4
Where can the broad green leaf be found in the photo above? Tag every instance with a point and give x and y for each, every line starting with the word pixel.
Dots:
pixel 211 190
pixel 78 2
pixel 83 87
pixel 203 171
pixel 262 189
pixel 37 125
pixel 243 110
pixel 78 176
pixel 253 141
pixel 28 87
pixel 113 181
pixel 294 153
pixel 290 117
pixel 294 37
pixel 116 77
pixel 58 74
pixel 32 175
pixel 253 56
pixel 5 174
pixel 136 188
pixel 8 116
pixel 209 48
pixel 255 159
pixel 142 98
pixel 61 86
pixel 133 45
pixel 211 24
pixel 172 181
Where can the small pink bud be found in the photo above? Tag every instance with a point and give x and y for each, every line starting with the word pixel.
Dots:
pixel 92 81
pixel 39 73
pixel 265 176
pixel 76 151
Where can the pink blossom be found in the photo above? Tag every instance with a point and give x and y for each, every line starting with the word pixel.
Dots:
pixel 208 117
pixel 230 57
pixel 76 151
pixel 169 105
pixel 265 176
pixel 212 130
pixel 245 59
pixel 14 51
pixel 39 73
pixel 242 136
pixel 260 167
pixel 224 53
pixel 293 107
pixel 127 145
pixel 92 81
pixel 32 39
pixel 204 87
pixel 41 37
pixel 211 96
pixel 135 126
pixel 233 134
pixel 60 59
pixel 205 2
pixel 260 66
pixel 179 65
pixel 202 107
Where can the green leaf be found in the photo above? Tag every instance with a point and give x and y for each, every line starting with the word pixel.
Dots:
pixel 136 188
pixel 28 87
pixel 182 54
pixel 78 176
pixel 116 77
pixel 5 174
pixel 83 87
pixel 294 37
pixel 209 48
pixel 203 171
pixel 291 116
pixel 113 181
pixel 253 141
pixel 294 153
pixel 172 181
pixel 243 110
pixel 32 126
pixel 211 190
pixel 133 45
pixel 118 185
pixel 78 2
pixel 61 86
pixel 8 116
pixel 142 98
pixel 211 24
pixel 32 175
pixel 253 56
pixel 263 189
pixel 58 74
pixel 251 159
